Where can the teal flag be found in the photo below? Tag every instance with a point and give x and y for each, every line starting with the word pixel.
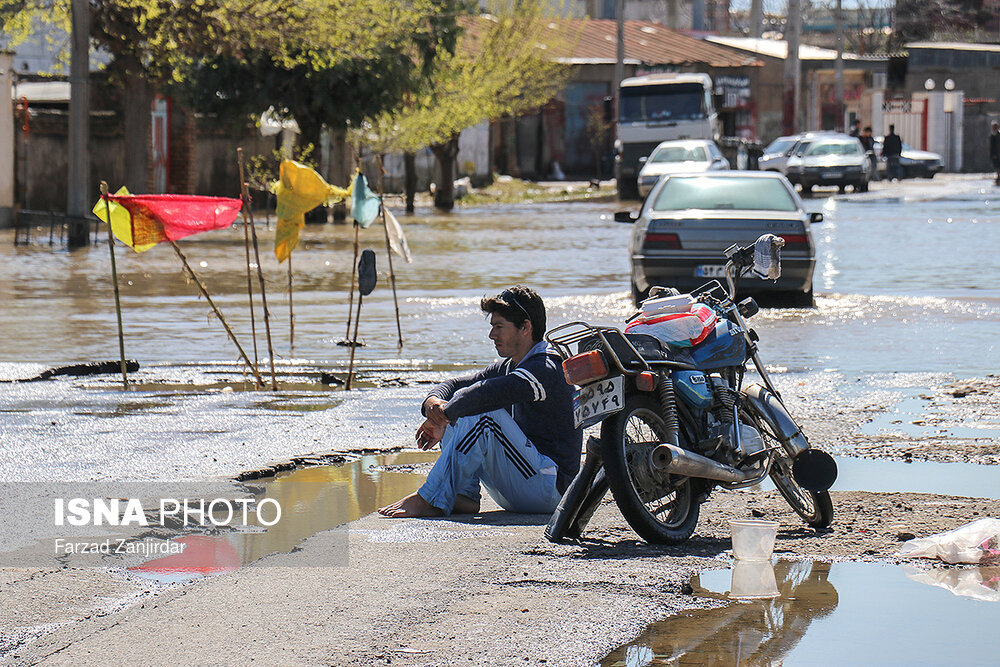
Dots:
pixel 364 202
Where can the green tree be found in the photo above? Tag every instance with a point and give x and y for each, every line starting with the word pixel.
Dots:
pixel 152 43
pixel 507 62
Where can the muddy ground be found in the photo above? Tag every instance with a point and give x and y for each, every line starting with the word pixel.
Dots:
pixel 486 589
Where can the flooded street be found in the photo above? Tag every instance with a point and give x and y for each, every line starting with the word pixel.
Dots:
pixel 904 283
pixel 893 364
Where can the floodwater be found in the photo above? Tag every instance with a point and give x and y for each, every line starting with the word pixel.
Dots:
pixel 906 282
pixel 831 613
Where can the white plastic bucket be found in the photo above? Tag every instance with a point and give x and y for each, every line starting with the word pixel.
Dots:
pixel 752 539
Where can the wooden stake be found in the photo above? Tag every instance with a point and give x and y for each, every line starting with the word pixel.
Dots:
pixel 246 250
pixel 291 311
pixel 354 344
pixel 218 313
pixel 260 271
pixel 114 275
pixel 388 252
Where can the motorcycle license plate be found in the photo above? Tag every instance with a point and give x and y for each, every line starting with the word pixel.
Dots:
pixel 594 401
pixel 710 271
pixel 833 174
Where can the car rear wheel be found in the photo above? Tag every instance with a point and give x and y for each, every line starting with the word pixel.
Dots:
pixel 796 299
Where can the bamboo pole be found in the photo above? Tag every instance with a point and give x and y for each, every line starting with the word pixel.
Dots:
pixel 260 271
pixel 388 252
pixel 354 275
pixel 354 343
pixel 114 275
pixel 218 313
pixel 291 311
pixel 246 250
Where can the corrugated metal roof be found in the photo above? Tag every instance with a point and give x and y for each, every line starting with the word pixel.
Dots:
pixel 646 43
pixel 775 48
pixel 650 44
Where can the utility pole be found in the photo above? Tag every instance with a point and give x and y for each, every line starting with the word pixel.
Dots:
pixel 756 18
pixel 793 71
pixel 838 71
pixel 620 50
pixel 79 127
pixel 672 21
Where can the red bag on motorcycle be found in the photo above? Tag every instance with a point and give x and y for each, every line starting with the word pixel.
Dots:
pixel 677 329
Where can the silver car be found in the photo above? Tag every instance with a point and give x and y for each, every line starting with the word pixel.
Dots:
pixel 829 159
pixel 776 153
pixel 681 156
pixel 689 219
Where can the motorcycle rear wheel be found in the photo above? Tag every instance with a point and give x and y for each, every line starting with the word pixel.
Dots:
pixel 661 508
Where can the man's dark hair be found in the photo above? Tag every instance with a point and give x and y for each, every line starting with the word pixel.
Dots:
pixel 892 129
pixel 518 304
pixel 868 128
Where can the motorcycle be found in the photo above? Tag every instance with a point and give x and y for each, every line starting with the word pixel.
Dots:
pixel 676 420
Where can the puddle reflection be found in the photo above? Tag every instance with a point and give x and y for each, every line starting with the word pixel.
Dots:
pixel 312 499
pixel 839 613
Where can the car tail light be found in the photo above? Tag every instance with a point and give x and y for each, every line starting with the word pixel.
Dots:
pixel 662 241
pixel 585 368
pixel 795 242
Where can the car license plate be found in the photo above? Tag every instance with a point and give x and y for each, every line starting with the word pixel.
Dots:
pixel 710 271
pixel 593 402
pixel 833 174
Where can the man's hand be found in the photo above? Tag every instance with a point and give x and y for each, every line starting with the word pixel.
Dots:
pixel 434 410
pixel 430 433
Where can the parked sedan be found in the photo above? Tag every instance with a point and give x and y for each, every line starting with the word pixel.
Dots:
pixel 675 157
pixel 913 163
pixel 776 153
pixel 829 159
pixel 689 219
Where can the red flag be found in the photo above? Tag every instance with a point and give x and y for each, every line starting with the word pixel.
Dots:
pixel 157 218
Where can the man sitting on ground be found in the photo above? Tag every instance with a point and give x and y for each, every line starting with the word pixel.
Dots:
pixel 509 426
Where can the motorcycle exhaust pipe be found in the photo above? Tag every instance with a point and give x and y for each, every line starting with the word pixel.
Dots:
pixel 678 461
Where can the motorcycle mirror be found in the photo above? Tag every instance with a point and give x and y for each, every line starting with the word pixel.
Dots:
pixel 767 256
pixel 626 216
pixel 367 276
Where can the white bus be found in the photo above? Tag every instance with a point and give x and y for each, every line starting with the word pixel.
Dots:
pixel 659 107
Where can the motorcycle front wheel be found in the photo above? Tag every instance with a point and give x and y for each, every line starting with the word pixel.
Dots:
pixel 815 507
pixel 661 508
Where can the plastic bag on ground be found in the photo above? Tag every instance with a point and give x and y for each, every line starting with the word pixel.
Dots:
pixel 976 542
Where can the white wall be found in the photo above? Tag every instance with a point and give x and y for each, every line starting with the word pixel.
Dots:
pixel 474 150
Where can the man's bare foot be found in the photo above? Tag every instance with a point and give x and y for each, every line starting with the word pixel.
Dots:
pixel 411 506
pixel 465 505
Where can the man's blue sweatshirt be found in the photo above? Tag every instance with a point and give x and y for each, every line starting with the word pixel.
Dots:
pixel 536 395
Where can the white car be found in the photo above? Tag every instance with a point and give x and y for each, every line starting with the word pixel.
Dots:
pixel 679 157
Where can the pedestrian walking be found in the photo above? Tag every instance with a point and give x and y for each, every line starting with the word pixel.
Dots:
pixel 892 148
pixel 995 149
pixel 855 128
pixel 868 144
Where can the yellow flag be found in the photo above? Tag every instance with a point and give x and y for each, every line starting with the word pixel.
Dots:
pixel 121 222
pixel 299 190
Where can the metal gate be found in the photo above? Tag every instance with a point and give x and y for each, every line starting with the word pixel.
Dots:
pixel 910 118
